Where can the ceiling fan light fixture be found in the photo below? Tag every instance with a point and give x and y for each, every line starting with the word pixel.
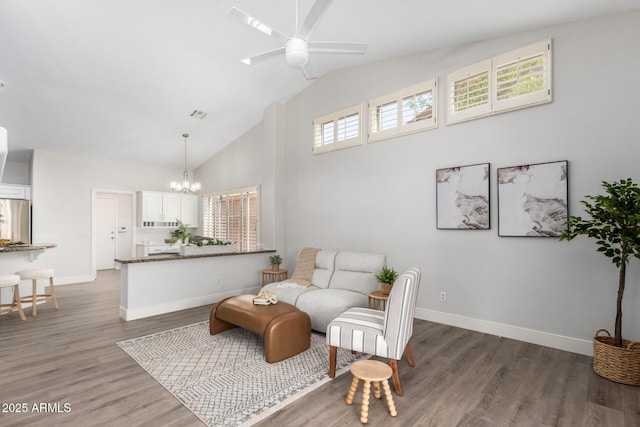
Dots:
pixel 297 52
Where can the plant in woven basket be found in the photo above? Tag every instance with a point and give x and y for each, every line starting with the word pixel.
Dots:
pixel 386 277
pixel 615 224
pixel 275 261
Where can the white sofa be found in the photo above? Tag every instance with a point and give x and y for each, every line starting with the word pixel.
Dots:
pixel 341 280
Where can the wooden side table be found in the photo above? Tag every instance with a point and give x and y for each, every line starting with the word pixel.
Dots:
pixel 270 276
pixel 378 300
pixel 371 371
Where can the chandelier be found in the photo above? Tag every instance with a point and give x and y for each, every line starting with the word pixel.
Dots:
pixel 185 186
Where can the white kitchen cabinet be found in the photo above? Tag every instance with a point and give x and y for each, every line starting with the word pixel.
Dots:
pixel 158 209
pixel 189 209
pixel 15 191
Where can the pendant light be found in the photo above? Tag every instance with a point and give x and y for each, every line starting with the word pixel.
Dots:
pixel 185 186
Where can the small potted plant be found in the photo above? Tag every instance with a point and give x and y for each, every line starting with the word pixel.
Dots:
pixel 386 277
pixel 615 224
pixel 275 261
pixel 181 233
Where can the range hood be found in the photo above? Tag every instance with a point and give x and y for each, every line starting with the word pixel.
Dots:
pixel 4 149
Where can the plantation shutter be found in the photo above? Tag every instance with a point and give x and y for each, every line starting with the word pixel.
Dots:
pixel 469 92
pixel 338 130
pixel 522 77
pixel 233 216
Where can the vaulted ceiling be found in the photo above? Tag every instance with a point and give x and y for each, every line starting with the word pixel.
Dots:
pixel 119 79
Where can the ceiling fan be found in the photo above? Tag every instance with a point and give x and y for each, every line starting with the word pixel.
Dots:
pixel 296 49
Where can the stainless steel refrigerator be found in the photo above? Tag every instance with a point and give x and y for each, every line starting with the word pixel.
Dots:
pixel 15 220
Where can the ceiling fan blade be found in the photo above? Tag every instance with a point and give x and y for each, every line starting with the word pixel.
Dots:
pixel 309 71
pixel 264 55
pixel 261 26
pixel 337 47
pixel 314 14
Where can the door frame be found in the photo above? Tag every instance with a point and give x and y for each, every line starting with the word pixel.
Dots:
pixel 94 245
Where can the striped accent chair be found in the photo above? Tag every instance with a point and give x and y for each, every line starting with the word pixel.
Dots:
pixel 381 333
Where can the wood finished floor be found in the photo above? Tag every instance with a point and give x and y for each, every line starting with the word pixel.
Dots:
pixel 462 378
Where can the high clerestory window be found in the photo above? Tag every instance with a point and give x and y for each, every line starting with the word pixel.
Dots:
pixel 232 215
pixel 408 110
pixel 517 79
pixel 341 129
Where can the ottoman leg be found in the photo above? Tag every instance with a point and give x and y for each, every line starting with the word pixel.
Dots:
pixel 286 336
pixel 216 325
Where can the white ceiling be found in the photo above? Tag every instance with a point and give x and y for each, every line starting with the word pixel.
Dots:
pixel 118 79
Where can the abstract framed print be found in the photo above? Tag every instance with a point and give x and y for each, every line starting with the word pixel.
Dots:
pixel 462 198
pixel 533 200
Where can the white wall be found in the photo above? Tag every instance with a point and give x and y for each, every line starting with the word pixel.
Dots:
pixel 381 196
pixel 62 187
pixel 16 173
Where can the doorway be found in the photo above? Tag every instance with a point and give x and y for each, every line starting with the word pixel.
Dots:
pixel 113 228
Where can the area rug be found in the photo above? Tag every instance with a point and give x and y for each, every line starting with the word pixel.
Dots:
pixel 224 379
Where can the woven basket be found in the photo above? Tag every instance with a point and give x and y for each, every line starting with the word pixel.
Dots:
pixel 385 288
pixel 619 364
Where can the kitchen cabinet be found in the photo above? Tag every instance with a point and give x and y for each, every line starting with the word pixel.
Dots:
pixel 15 191
pixel 158 209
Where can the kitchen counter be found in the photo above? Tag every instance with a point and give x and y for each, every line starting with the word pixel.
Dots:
pixel 174 257
pixel 24 257
pixel 22 248
pixel 159 284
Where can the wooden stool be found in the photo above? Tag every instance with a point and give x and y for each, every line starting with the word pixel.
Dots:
pixel 34 298
pixel 368 371
pixel 12 280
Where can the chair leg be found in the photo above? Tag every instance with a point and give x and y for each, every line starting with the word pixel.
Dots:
pixel 407 351
pixel 16 301
pixel 396 378
pixel 34 299
pixel 53 293
pixel 333 353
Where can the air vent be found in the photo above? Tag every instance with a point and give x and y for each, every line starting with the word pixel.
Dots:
pixel 197 114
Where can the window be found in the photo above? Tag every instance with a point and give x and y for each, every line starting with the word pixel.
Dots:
pixel 338 130
pixel 517 79
pixel 412 109
pixel 469 92
pixel 232 215
pixel 523 77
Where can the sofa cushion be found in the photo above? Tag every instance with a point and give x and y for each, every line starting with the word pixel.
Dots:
pixel 327 304
pixel 355 271
pixel 288 292
pixel 325 264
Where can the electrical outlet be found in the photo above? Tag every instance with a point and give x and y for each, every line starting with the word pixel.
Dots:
pixel 443 296
pixel 218 282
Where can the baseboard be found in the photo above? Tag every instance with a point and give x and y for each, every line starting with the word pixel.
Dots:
pixel 546 339
pixel 183 304
pixel 72 280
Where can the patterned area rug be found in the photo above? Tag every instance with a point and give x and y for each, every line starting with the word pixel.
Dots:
pixel 224 379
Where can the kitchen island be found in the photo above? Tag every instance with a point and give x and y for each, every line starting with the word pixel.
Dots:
pixel 159 284
pixel 16 257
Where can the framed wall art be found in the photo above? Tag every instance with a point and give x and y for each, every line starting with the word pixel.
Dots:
pixel 462 198
pixel 533 200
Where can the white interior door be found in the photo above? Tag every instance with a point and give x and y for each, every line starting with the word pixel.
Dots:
pixel 106 233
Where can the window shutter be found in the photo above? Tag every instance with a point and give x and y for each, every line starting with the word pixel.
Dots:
pixel 522 77
pixel 233 216
pixel 408 110
pixel 337 130
pixel 468 92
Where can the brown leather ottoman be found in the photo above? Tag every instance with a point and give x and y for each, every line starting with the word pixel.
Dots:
pixel 286 329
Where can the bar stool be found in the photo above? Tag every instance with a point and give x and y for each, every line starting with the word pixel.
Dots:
pixel 12 280
pixel 34 275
